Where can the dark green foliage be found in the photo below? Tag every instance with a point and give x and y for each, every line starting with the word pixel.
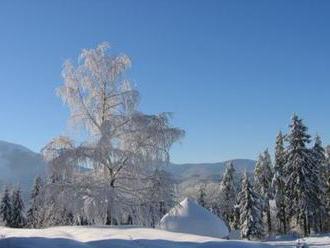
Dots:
pixel 17 211
pixel 6 208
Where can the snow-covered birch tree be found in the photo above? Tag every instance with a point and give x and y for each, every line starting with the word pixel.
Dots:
pixel 158 199
pixel 121 143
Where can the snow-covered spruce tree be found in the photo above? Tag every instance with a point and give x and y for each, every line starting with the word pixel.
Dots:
pixel 5 208
pixel 250 207
pixel 263 175
pixel 228 195
pixel 33 217
pixel 320 215
pixel 301 177
pixel 326 178
pixel 17 210
pixel 121 143
pixel 278 184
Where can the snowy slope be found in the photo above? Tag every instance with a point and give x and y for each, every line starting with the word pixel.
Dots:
pixel 189 217
pixel 103 237
pixel 125 237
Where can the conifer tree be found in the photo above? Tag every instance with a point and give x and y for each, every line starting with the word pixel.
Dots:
pixel 319 161
pixel 263 175
pixel 5 208
pixel 33 212
pixel 327 187
pixel 250 206
pixel 17 216
pixel 278 184
pixel 228 195
pixel 202 195
pixel 301 176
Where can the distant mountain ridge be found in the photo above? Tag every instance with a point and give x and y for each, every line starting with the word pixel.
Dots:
pixel 19 166
pixel 189 177
pixel 208 171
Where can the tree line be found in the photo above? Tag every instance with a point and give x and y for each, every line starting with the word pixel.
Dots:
pixel 43 211
pixel 289 195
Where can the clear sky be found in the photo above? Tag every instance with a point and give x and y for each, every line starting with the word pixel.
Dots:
pixel 232 72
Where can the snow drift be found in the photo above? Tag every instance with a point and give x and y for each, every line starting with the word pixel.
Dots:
pixel 131 237
pixel 189 217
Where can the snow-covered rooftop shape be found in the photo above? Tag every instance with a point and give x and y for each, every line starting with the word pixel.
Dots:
pixel 190 217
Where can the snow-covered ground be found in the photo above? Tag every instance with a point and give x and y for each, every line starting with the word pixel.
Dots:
pixel 128 237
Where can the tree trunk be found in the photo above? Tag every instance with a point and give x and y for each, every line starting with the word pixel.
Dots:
pixel 108 220
pixel 321 223
pixel 269 221
pixel 284 223
pixel 305 225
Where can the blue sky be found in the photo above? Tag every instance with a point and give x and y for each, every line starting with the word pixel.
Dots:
pixel 232 72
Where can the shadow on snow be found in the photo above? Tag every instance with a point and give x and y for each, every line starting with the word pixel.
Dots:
pixel 38 242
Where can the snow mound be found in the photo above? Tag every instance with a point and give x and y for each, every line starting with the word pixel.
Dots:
pixel 189 217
